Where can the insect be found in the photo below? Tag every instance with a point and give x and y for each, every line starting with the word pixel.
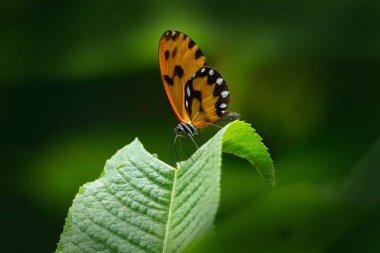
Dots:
pixel 198 94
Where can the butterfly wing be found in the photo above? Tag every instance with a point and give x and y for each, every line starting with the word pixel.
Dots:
pixel 179 59
pixel 206 97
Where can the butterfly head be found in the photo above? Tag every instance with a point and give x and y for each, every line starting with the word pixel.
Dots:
pixel 186 127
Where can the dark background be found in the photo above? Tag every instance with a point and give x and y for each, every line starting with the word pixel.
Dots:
pixel 79 80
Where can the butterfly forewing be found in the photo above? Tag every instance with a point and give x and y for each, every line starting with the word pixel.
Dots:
pixel 179 58
pixel 206 97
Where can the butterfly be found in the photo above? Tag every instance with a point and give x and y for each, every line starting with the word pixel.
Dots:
pixel 197 93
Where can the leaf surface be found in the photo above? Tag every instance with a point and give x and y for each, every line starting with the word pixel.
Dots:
pixel 141 204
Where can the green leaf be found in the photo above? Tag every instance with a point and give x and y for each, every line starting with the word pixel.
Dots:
pixel 241 140
pixel 141 204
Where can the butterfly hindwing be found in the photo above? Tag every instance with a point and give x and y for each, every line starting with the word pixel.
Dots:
pixel 179 59
pixel 206 97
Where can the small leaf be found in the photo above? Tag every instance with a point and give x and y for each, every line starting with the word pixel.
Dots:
pixel 140 204
pixel 241 140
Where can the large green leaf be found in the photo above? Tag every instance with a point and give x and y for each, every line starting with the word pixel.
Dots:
pixel 141 204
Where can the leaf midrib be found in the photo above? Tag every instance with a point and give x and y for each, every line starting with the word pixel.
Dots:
pixel 170 212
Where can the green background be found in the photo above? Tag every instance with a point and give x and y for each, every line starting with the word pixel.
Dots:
pixel 79 80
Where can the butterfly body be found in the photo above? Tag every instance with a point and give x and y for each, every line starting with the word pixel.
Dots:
pixel 186 127
pixel 198 94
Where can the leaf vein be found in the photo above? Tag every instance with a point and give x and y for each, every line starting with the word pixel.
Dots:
pixel 121 236
pixel 159 202
pixel 134 210
pixel 193 206
pixel 154 180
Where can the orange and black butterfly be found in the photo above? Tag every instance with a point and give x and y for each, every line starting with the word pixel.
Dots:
pixel 197 93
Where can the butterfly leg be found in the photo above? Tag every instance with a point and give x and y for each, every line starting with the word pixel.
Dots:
pixel 179 155
pixel 175 151
pixel 183 150
pixel 191 137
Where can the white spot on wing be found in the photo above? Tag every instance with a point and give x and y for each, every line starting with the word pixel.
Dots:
pixel 167 33
pixel 211 72
pixel 203 70
pixel 224 93
pixel 173 33
pixel 187 104
pixel 223 105
pixel 188 91
pixel 222 112
pixel 219 81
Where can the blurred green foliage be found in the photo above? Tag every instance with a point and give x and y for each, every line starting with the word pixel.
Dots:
pixel 79 80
